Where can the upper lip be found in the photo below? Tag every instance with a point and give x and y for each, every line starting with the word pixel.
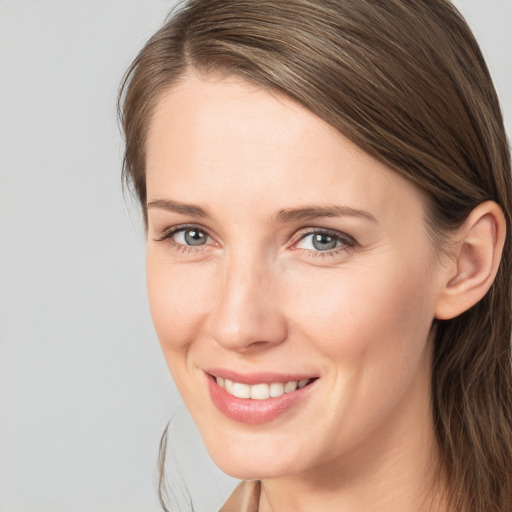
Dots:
pixel 263 377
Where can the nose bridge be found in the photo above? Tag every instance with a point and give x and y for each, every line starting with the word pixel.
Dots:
pixel 246 310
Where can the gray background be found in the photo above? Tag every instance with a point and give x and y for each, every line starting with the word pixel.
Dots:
pixel 84 390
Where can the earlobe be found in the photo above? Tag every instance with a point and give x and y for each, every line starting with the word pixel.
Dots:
pixel 479 245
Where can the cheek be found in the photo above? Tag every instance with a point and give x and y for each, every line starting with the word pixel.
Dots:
pixel 178 298
pixel 370 335
pixel 377 318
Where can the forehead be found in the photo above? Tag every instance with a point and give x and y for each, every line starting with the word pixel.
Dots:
pixel 227 139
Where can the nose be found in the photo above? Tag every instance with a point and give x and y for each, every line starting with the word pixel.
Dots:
pixel 247 314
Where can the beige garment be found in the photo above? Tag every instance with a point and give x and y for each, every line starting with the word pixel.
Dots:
pixel 245 497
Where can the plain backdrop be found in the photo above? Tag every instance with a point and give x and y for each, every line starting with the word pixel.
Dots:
pixel 84 390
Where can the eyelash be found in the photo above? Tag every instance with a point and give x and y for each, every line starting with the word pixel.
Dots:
pixel 346 241
pixel 167 237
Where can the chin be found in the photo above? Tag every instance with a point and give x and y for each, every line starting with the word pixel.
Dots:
pixel 249 470
pixel 254 459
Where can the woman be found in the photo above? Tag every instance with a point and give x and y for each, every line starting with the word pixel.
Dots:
pixel 326 189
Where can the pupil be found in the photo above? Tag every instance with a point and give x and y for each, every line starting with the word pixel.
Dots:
pixel 324 242
pixel 193 237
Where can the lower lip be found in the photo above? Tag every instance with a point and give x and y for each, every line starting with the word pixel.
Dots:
pixel 254 412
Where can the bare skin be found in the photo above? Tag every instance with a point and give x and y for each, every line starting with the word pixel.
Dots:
pixel 309 257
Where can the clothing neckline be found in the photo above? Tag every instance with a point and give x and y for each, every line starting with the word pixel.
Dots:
pixel 245 497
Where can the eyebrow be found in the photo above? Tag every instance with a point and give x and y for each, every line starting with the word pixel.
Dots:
pixel 285 215
pixel 177 207
pixel 315 212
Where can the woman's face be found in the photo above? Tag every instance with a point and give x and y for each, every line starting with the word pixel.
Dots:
pixel 282 256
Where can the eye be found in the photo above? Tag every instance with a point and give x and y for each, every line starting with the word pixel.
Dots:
pixel 319 242
pixel 324 241
pixel 189 236
pixel 185 238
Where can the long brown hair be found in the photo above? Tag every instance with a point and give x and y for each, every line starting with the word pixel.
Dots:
pixel 405 80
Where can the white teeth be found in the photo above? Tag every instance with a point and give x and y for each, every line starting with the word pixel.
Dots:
pixel 241 390
pixel 290 386
pixel 276 389
pixel 228 386
pixel 260 391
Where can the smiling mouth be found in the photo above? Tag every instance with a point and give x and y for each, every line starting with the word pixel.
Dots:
pixel 259 398
pixel 261 391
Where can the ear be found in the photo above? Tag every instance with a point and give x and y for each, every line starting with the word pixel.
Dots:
pixel 474 262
